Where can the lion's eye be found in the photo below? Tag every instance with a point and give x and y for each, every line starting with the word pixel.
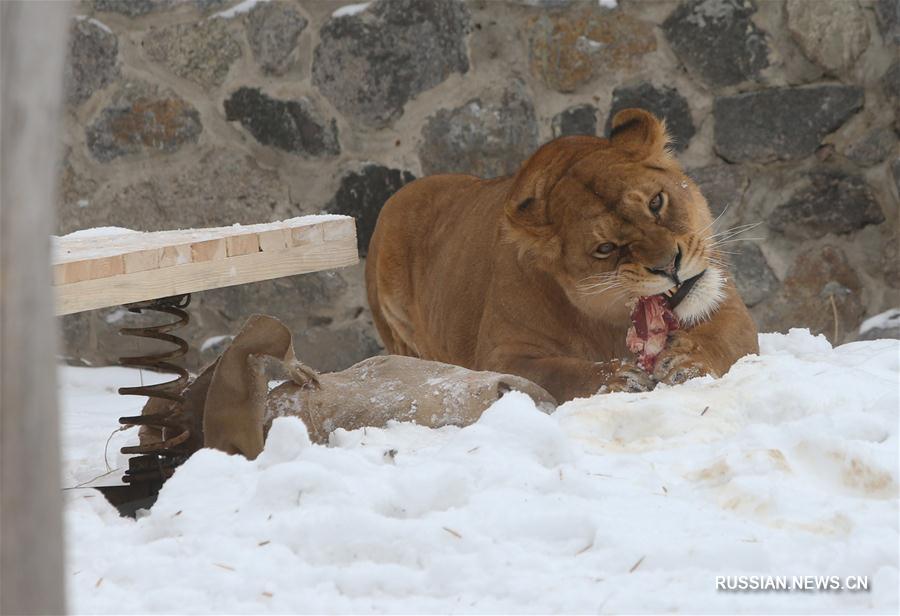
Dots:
pixel 657 202
pixel 604 250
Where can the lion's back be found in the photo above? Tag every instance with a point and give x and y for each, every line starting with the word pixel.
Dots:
pixel 429 263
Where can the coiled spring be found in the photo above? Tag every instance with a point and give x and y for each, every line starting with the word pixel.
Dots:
pixel 159 458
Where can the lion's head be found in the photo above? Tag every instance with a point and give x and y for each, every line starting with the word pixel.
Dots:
pixel 614 220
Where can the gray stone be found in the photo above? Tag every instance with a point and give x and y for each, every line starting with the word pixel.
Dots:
pixel 832 33
pixel 208 6
pixel 75 185
pixel 486 138
pixel 722 185
pixel 881 333
pixel 131 8
pixel 548 4
pixel 781 123
pixel 308 295
pixel 828 201
pixel 717 40
pixel 891 81
pixel 91 63
pixel 891 84
pixel 139 8
pixel 753 277
pixel 273 29
pixel 369 65
pixel 571 48
pixel 889 265
pixel 292 126
pixel 201 52
pixel 217 188
pixel 872 147
pixel 895 171
pixel 337 347
pixel 891 331
pixel 140 119
pixel 578 120
pixel 363 193
pixel 888 14
pixel 664 102
pixel 821 292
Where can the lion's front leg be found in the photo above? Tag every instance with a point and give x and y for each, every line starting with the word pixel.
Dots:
pixel 567 378
pixel 710 347
pixel 682 359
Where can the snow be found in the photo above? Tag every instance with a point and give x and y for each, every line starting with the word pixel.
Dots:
pixel 119 240
pixel 95 22
pixel 213 341
pixel 608 4
pixel 351 9
pixel 242 7
pixel 98 232
pixel 885 320
pixel 786 466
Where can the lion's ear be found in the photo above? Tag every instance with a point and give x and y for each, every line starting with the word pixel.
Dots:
pixel 528 201
pixel 638 131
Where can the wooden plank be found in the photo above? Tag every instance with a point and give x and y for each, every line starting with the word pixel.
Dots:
pixel 210 250
pixel 175 255
pixel 142 260
pixel 304 236
pixel 333 230
pixel 242 244
pixel 159 249
pixel 275 240
pixel 65 273
pixel 33 44
pixel 192 277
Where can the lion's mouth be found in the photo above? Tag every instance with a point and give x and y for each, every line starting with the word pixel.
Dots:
pixel 652 319
pixel 676 294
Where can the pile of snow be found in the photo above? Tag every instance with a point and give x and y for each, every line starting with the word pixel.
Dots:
pixel 787 466
pixel 886 320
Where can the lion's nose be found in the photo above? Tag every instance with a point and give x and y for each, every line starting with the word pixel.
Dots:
pixel 670 267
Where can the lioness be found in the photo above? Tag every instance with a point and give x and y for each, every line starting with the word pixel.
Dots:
pixel 536 274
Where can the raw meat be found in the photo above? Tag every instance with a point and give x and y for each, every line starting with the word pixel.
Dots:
pixel 651 322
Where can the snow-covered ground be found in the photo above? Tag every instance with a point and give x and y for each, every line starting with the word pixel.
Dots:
pixel 787 466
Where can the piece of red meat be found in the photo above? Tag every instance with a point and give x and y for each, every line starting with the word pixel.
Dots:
pixel 651 322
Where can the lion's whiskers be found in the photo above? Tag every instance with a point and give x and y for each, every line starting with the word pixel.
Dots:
pixel 732 232
pixel 598 289
pixel 739 239
pixel 617 293
pixel 715 220
pixel 595 280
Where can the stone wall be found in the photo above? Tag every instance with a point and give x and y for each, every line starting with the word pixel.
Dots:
pixel 195 113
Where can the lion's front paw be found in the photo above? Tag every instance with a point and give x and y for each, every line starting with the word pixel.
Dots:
pixel 628 377
pixel 676 368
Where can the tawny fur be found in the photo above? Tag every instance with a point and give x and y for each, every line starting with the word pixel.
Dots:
pixel 504 274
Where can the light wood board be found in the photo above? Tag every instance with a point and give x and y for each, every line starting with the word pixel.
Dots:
pixel 96 271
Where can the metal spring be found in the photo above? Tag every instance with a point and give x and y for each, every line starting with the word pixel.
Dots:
pixel 158 460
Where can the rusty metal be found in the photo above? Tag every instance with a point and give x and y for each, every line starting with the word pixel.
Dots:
pixel 156 461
